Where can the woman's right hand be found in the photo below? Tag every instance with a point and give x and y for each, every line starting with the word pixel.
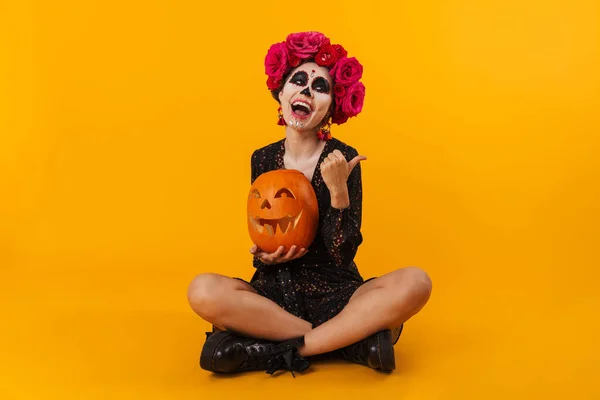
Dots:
pixel 278 257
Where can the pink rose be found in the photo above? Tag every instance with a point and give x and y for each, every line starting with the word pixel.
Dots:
pixel 352 102
pixel 294 61
pixel 347 71
pixel 276 61
pixel 305 44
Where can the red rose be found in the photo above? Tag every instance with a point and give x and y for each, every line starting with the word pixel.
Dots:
pixel 340 51
pixel 339 117
pixel 326 56
pixel 339 90
pixel 273 83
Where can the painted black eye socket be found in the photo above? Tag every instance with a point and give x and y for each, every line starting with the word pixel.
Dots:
pixel 255 194
pixel 300 78
pixel 284 193
pixel 321 85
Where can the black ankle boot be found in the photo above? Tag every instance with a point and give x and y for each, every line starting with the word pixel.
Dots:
pixel 226 352
pixel 376 351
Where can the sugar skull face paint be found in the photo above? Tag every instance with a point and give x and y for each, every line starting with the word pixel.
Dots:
pixel 306 96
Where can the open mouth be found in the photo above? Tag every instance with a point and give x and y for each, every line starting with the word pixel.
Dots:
pixel 271 226
pixel 301 109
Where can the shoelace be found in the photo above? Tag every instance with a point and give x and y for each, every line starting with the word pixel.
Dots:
pixel 290 359
pixel 282 356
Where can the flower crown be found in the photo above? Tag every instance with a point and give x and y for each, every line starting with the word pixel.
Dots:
pixel 348 92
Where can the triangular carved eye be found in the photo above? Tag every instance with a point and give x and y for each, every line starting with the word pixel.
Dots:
pixel 283 192
pixel 255 194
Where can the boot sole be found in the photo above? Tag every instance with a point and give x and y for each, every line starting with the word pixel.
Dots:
pixel 387 358
pixel 209 349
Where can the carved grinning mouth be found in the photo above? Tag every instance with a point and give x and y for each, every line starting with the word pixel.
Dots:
pixel 270 226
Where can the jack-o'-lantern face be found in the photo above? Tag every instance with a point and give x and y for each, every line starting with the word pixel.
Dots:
pixel 287 220
pixel 282 210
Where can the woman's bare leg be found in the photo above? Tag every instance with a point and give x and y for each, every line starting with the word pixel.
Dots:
pixel 232 304
pixel 383 303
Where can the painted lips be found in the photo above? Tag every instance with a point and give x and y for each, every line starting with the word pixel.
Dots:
pixel 301 109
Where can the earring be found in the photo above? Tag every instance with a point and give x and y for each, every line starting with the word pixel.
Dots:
pixel 325 131
pixel 280 121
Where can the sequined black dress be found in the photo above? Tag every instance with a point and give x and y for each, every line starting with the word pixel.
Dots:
pixel 317 286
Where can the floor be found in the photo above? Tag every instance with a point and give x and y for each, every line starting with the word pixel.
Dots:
pixel 98 334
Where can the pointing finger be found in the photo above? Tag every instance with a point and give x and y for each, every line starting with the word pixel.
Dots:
pixel 355 161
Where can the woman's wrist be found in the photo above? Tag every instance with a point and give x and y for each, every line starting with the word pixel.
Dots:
pixel 340 198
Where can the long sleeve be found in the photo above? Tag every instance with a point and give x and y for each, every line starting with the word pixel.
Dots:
pixel 255 173
pixel 341 227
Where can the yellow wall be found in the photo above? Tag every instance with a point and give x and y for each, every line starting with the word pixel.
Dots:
pixel 120 120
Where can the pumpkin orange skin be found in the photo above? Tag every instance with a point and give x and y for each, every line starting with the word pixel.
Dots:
pixel 282 211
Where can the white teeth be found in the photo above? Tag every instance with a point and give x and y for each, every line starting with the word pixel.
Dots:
pixel 301 103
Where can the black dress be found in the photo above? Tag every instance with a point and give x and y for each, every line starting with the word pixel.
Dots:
pixel 317 286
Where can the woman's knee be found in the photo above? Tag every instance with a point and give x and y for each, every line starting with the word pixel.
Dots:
pixel 204 293
pixel 418 283
pixel 420 279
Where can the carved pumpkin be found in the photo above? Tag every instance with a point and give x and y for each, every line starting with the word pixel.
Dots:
pixel 282 210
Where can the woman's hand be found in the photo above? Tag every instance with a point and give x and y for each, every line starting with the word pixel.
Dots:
pixel 278 257
pixel 335 171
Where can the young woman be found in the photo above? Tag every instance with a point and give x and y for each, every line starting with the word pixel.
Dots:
pixel 309 302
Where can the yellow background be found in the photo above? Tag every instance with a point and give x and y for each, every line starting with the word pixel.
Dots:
pixel 126 129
